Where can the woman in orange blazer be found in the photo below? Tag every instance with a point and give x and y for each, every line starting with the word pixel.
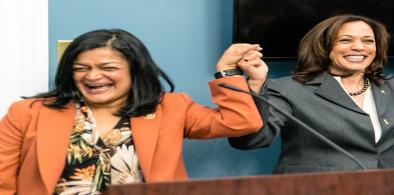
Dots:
pixel 109 121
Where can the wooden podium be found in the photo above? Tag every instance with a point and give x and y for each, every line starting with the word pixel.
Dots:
pixel 371 182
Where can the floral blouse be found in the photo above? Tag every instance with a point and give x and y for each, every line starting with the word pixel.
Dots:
pixel 92 162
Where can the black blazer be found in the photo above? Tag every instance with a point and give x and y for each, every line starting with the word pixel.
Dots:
pixel 323 105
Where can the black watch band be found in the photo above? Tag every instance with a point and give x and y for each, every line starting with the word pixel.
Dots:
pixel 226 73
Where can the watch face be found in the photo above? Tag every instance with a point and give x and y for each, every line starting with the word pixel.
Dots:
pixel 219 75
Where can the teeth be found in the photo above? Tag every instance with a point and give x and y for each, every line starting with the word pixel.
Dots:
pixel 93 87
pixel 97 86
pixel 355 58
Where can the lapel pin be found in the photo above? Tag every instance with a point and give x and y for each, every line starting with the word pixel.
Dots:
pixel 150 116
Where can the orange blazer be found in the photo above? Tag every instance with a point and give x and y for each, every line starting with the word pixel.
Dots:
pixel 34 138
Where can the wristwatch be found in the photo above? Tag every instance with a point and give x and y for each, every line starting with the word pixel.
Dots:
pixel 226 73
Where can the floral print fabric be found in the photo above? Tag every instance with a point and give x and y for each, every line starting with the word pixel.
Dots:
pixel 92 162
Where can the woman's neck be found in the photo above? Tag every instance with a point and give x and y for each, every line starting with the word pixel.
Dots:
pixel 105 117
pixel 354 82
pixel 106 109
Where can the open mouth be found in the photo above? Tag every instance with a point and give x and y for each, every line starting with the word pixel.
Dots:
pixel 95 88
pixel 355 58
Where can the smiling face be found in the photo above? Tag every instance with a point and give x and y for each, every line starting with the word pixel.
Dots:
pixel 102 76
pixel 354 48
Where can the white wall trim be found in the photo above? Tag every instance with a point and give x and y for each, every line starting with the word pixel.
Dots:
pixel 23 50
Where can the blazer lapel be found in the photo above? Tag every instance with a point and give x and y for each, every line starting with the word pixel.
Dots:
pixel 53 134
pixel 145 131
pixel 381 97
pixel 332 91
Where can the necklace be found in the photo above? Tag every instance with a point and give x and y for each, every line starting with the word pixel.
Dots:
pixel 366 85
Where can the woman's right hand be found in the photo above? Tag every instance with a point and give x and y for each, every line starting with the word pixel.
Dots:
pixel 255 68
pixel 234 54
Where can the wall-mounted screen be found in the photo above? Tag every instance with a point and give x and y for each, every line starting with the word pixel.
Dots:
pixel 279 25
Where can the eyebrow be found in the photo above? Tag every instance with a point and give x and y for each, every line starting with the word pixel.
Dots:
pixel 353 36
pixel 102 64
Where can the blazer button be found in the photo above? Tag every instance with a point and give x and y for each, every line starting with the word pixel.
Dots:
pixel 382 91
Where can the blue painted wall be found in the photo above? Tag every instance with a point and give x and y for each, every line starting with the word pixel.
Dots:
pixel 186 38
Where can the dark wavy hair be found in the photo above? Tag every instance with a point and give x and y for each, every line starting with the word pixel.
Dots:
pixel 315 47
pixel 146 91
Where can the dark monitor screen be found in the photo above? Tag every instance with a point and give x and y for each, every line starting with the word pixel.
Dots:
pixel 279 25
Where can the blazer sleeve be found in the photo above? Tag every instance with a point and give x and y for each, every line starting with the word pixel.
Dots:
pixel 272 119
pixel 11 137
pixel 236 114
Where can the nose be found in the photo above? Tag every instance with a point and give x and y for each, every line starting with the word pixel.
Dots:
pixel 93 75
pixel 358 45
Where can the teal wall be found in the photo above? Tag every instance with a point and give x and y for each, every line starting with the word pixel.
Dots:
pixel 186 38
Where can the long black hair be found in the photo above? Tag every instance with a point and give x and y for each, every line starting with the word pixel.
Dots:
pixel 146 91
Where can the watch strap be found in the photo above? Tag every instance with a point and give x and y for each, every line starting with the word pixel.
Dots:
pixel 229 72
